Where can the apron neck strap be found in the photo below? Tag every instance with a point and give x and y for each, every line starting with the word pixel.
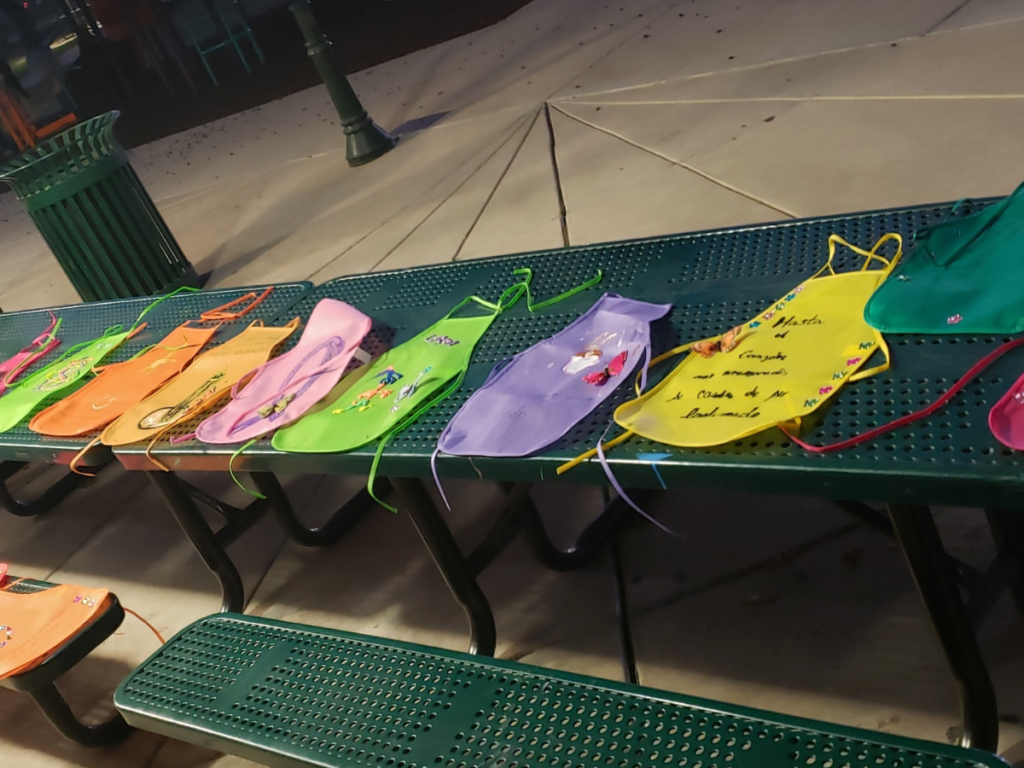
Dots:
pixel 50 333
pixel 111 331
pixel 158 302
pixel 217 314
pixel 511 295
pixel 535 307
pixel 221 313
pixel 887 264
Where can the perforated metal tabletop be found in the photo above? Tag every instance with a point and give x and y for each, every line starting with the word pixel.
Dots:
pixel 714 280
pixel 289 695
pixel 82 322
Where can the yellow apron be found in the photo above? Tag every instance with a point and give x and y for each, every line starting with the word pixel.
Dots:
pixel 776 368
pixel 210 377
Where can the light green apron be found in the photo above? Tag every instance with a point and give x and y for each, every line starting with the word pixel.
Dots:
pixel 405 381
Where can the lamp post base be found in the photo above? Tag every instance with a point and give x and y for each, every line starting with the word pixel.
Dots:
pixel 366 141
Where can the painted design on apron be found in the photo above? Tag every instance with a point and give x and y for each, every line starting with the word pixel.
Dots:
pixel 409 389
pixel 446 340
pixel 59 378
pixel 162 417
pixel 328 349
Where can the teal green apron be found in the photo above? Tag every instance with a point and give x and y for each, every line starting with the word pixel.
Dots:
pixel 962 276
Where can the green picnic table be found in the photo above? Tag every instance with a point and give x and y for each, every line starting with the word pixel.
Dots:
pixel 714 280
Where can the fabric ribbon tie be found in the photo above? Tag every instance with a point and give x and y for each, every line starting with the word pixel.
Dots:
pixel 962 382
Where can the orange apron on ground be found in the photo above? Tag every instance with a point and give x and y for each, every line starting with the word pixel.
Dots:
pixel 34 626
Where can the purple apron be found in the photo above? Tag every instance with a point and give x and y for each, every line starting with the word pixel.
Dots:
pixel 544 391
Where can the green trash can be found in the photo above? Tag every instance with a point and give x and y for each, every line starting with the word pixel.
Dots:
pixel 96 216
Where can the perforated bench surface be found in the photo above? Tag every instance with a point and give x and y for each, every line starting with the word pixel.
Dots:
pixel 290 695
pixel 714 280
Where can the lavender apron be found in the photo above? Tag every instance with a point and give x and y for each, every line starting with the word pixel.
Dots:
pixel 544 391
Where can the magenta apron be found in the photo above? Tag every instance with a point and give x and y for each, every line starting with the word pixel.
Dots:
pixel 40 346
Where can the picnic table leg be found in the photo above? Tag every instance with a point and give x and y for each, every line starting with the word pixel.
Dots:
pixel 1008 530
pixel 450 561
pixel 343 521
pixel 59 713
pixel 208 544
pixel 983 589
pixel 504 531
pixel 520 515
pixel 870 516
pixel 588 545
pixel 936 580
pixel 46 501
pixel 626 649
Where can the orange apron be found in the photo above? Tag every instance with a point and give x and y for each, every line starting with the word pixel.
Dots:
pixel 119 386
pixel 199 387
pixel 35 626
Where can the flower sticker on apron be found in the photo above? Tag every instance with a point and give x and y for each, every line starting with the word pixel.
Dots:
pixel 590 355
pixel 583 360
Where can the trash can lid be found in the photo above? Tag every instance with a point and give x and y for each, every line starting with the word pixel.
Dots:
pixel 63 154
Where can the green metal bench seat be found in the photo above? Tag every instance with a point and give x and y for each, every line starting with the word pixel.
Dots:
pixel 292 695
pixel 39 683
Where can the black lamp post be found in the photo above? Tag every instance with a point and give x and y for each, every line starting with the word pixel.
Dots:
pixel 364 140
